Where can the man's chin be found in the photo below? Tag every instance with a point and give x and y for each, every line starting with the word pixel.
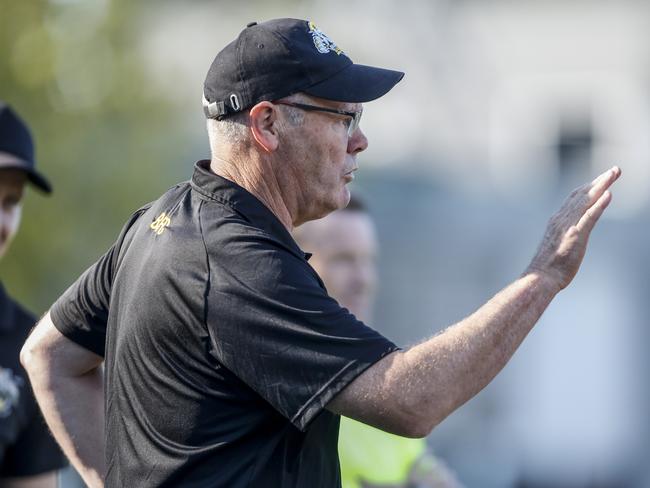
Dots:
pixel 340 202
pixel 332 205
pixel 345 198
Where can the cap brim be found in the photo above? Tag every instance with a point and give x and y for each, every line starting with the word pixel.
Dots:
pixel 356 84
pixel 37 179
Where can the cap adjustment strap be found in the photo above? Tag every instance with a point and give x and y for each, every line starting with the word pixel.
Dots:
pixel 217 110
pixel 234 102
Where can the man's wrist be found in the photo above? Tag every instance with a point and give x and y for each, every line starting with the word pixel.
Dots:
pixel 542 280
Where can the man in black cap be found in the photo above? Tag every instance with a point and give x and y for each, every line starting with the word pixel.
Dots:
pixel 29 456
pixel 226 363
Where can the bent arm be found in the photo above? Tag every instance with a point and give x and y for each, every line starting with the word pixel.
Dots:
pixel 408 393
pixel 68 384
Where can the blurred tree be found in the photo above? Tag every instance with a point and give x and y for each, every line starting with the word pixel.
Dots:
pixel 104 136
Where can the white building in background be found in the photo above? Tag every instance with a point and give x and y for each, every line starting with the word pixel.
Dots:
pixel 507 104
pixel 492 86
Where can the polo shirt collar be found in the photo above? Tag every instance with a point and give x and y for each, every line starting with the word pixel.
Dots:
pixel 218 188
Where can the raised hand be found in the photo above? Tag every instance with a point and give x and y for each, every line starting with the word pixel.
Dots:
pixel 560 253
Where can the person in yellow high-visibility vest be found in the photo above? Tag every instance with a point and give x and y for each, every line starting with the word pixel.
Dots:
pixel 344 251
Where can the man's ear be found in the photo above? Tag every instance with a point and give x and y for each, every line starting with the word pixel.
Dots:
pixel 264 126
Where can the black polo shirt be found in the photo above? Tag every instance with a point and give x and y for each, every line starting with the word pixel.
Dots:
pixel 221 345
pixel 26 446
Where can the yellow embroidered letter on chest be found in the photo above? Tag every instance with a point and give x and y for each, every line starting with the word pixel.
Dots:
pixel 160 224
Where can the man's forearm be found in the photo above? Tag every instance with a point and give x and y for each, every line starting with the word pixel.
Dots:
pixel 77 426
pixel 450 368
pixel 410 392
pixel 68 385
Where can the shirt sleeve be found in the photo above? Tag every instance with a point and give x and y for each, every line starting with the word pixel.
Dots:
pixel 274 326
pixel 81 313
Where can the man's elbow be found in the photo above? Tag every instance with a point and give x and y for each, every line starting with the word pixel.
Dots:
pixel 48 354
pixel 39 348
pixel 406 422
pixel 418 420
pixel 415 429
pixel 421 425
pixel 26 355
pixel 32 355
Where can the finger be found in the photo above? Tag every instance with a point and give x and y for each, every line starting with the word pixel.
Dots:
pixel 593 213
pixel 586 195
pixel 606 173
pixel 602 183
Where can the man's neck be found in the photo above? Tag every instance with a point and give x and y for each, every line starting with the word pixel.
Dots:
pixel 261 183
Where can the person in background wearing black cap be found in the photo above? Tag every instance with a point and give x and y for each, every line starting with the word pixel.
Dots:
pixel 29 456
pixel 226 362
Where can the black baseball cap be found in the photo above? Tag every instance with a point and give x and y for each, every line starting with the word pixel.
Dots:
pixel 277 58
pixel 17 147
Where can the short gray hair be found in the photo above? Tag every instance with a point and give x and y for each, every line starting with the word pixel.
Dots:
pixel 295 116
pixel 234 128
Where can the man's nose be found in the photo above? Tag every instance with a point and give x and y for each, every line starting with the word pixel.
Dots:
pixel 357 142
